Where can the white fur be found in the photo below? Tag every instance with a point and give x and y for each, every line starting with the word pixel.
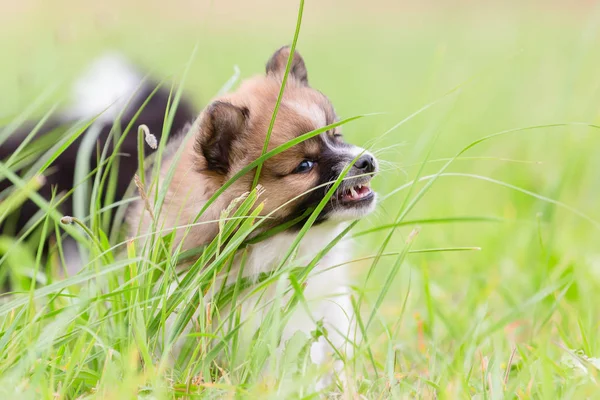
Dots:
pixel 355 151
pixel 327 291
pixel 350 214
pixel 106 87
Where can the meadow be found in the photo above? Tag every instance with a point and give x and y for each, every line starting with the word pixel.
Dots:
pixel 477 275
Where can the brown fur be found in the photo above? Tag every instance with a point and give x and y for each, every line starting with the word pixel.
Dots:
pixel 230 134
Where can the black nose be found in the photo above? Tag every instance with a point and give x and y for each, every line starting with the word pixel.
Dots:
pixel 365 163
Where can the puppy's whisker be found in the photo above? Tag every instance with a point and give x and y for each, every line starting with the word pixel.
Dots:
pixel 387 148
pixel 388 162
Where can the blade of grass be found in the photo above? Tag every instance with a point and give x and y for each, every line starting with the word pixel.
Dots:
pixel 281 90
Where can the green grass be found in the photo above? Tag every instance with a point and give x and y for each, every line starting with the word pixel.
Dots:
pixel 477 275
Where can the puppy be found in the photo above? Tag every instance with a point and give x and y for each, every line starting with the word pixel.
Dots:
pixel 227 136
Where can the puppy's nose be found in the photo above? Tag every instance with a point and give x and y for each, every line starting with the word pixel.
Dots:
pixel 365 164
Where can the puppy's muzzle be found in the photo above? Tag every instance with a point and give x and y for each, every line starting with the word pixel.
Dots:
pixel 355 189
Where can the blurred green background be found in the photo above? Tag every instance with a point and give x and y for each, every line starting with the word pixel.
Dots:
pixel 512 64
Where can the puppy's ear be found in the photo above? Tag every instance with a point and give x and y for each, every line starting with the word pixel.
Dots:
pixel 220 126
pixel 276 65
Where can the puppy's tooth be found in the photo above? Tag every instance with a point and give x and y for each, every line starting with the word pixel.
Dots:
pixel 353 192
pixel 360 186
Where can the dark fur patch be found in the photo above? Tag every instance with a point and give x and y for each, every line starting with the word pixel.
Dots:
pixel 61 180
pixel 221 124
pixel 330 165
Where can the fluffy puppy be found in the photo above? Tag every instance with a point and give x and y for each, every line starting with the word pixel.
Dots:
pixel 227 136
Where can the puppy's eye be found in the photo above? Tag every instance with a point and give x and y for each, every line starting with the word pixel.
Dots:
pixel 304 167
pixel 335 135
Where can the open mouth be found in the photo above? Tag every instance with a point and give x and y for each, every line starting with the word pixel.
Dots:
pixel 356 194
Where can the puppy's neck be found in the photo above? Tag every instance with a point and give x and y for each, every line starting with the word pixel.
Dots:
pixel 269 254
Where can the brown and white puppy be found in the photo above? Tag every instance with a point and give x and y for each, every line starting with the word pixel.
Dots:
pixel 228 135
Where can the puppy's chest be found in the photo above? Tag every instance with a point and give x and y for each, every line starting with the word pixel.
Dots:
pixel 269 254
pixel 327 285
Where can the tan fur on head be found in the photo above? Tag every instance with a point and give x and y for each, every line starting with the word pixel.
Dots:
pixel 230 134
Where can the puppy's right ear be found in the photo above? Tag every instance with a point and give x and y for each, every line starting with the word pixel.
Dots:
pixel 221 124
pixel 278 61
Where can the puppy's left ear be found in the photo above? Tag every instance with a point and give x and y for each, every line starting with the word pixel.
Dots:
pixel 221 124
pixel 278 61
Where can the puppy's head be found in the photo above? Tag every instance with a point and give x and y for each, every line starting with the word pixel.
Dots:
pixel 232 133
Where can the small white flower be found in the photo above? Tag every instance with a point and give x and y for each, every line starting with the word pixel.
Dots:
pixel 150 138
pixel 67 220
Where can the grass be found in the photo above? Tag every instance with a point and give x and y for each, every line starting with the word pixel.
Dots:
pixel 477 277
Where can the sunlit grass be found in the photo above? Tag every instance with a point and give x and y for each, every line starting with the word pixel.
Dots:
pixel 477 276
